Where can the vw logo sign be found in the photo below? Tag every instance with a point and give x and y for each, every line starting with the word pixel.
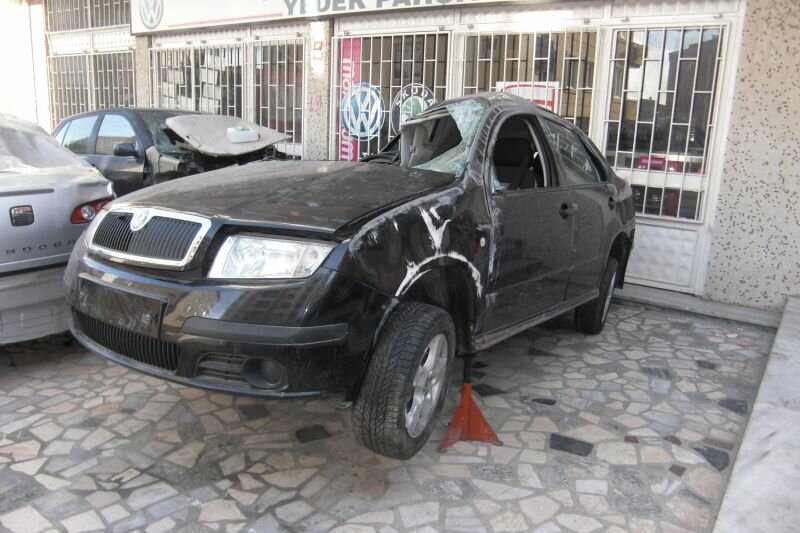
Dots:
pixel 412 99
pixel 150 12
pixel 139 219
pixel 362 111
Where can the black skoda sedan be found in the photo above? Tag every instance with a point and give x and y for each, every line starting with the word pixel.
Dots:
pixel 486 216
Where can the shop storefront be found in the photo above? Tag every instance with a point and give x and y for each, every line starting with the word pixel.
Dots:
pixel 650 82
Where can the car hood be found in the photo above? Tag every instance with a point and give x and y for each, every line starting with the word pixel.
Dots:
pixel 209 134
pixel 312 196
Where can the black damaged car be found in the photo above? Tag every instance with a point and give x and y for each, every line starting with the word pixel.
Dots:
pixel 486 216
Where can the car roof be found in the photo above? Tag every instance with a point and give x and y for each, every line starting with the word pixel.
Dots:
pixel 497 99
pixel 132 111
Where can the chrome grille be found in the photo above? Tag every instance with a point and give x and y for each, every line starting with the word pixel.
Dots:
pixel 140 348
pixel 161 238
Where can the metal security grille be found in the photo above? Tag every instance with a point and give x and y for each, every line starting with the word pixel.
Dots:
pixel 199 79
pixel 278 85
pixel 260 81
pixel 552 69
pixel 69 15
pixel 661 115
pixel 86 82
pixel 378 82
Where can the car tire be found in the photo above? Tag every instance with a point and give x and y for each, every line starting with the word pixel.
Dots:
pixel 591 317
pixel 407 378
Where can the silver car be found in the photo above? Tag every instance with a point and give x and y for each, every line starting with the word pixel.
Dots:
pixel 47 198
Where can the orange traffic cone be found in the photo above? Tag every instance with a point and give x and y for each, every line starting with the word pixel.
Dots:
pixel 468 422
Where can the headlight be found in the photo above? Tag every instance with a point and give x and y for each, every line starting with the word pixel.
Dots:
pixel 268 258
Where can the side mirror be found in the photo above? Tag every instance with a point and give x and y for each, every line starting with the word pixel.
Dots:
pixel 125 150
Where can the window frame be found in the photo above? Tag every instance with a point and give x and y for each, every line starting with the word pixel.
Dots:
pixel 601 173
pixel 490 173
pixel 136 142
pixel 90 140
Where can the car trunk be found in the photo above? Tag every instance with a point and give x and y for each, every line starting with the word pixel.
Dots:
pixel 52 194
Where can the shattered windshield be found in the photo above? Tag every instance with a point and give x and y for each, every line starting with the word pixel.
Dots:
pixel 29 148
pixel 441 140
pixel 156 123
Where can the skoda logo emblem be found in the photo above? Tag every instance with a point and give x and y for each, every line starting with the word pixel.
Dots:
pixel 362 111
pixel 412 99
pixel 139 219
pixel 150 12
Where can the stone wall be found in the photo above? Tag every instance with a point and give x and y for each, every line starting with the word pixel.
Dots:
pixel 755 252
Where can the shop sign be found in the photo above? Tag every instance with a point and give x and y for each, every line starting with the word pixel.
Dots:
pixel 543 93
pixel 350 74
pixel 411 100
pixel 176 15
pixel 362 111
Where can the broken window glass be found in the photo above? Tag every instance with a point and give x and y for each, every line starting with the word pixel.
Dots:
pixel 441 140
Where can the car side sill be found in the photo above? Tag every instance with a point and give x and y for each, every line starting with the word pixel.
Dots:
pixel 490 339
pixel 263 334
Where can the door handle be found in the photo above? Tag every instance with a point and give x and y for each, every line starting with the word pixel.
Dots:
pixel 567 210
pixel 611 202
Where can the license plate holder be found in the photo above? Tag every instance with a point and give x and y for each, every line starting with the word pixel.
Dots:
pixel 124 308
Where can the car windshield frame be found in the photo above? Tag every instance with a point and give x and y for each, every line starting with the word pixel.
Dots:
pixel 155 121
pixel 24 148
pixel 466 116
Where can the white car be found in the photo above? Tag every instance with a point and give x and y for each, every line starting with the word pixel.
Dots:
pixel 48 196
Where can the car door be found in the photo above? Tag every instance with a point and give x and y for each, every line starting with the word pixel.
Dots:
pixel 593 199
pixel 532 227
pixel 125 170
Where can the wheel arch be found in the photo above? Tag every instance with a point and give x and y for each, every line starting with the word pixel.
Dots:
pixel 450 287
pixel 620 250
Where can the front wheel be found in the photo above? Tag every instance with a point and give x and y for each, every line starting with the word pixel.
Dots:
pixel 591 316
pixel 406 381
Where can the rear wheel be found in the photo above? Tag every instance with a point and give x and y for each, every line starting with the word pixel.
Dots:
pixel 406 381
pixel 591 316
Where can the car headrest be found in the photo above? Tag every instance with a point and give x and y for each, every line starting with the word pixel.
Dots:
pixel 511 152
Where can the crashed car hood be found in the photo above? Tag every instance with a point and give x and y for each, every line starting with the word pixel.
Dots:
pixel 315 196
pixel 207 134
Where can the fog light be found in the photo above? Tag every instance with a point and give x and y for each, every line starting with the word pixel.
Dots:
pixel 266 374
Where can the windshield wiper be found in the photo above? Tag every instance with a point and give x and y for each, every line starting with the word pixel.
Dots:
pixel 382 157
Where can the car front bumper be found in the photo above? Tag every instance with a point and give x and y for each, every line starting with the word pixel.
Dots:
pixel 284 339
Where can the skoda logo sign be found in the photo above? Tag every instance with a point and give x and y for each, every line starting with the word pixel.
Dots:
pixel 362 111
pixel 150 12
pixel 412 99
pixel 139 219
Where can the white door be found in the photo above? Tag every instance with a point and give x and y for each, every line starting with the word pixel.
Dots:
pixel 660 125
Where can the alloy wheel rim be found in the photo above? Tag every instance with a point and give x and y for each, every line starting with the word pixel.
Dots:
pixel 427 386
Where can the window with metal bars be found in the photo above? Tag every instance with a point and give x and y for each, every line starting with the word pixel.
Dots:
pixel 69 15
pixel 661 115
pixel 278 85
pixel 80 83
pixel 212 80
pixel 552 69
pixel 199 79
pixel 380 81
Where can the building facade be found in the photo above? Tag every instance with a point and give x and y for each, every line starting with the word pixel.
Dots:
pixel 664 87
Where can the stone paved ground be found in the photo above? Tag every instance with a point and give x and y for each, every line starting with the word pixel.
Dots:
pixel 631 430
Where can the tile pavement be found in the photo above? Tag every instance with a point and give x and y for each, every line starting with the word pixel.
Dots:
pixel 631 430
